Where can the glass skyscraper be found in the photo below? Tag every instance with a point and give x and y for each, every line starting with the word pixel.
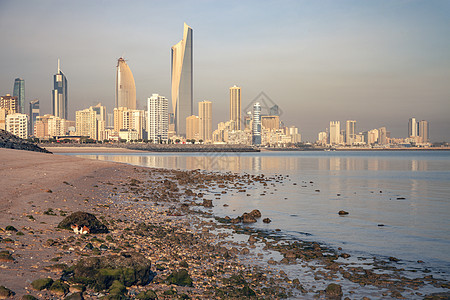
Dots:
pixel 256 126
pixel 182 81
pixel 59 95
pixel 19 92
pixel 34 113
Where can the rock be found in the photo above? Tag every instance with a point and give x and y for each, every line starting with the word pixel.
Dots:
pixel 11 141
pixel 77 288
pixel 343 212
pixel 5 256
pixel 267 220
pixel 11 228
pixel 245 251
pixel 247 218
pixel 83 219
pixel 180 278
pixel 147 295
pixel 99 273
pixel 42 283
pixel 345 255
pixel 394 259
pixel 207 203
pixel 117 289
pixel 29 297
pixel 5 293
pixel 59 288
pixel 74 296
pixel 271 262
pixel 251 240
pixel 333 291
pixel 255 213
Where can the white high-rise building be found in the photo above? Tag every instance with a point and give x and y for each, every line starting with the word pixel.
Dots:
pixel 205 120
pixel 412 127
pixel 350 132
pixel 17 124
pixel 235 106
pixel 335 133
pixel 91 122
pixel 157 118
pixel 125 86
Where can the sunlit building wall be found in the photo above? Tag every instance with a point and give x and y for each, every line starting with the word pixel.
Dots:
pixel 17 124
pixel 157 118
pixel 335 132
pixel 235 106
pixel 125 86
pixel 193 128
pixel 205 120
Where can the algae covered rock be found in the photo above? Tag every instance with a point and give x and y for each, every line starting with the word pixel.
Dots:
pixel 99 273
pixel 147 295
pixel 5 293
pixel 180 278
pixel 42 283
pixel 59 288
pixel 83 219
pixel 333 291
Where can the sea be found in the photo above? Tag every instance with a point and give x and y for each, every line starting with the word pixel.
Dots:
pixel 398 202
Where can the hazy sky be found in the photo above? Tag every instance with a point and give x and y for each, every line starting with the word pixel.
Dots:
pixel 377 62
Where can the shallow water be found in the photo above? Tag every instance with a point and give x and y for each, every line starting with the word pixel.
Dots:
pixel 366 184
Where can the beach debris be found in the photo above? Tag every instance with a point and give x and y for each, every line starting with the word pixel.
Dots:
pixel 80 229
pixel 83 219
pixel 343 212
pixel 267 220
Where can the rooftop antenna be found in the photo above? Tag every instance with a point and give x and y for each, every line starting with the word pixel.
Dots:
pixel 59 69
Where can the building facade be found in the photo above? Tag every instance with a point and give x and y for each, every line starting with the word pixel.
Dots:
pixel 350 132
pixel 193 127
pixel 205 120
pixel 59 95
pixel 256 124
pixel 270 122
pixel 17 124
pixel 235 106
pixel 423 131
pixel 90 122
pixel 412 127
pixel 157 118
pixel 34 113
pixel 335 133
pixel 19 92
pixel 125 86
pixel 132 119
pixel 182 80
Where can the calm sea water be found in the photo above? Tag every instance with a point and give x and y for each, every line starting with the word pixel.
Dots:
pixel 366 184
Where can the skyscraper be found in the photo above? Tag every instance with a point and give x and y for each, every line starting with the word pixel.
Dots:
pixel 205 120
pixel 256 126
pixel 423 131
pixel 19 92
pixel 192 127
pixel 235 106
pixel 125 86
pixel 412 127
pixel 157 118
pixel 335 133
pixel 182 81
pixel 34 112
pixel 350 132
pixel 59 95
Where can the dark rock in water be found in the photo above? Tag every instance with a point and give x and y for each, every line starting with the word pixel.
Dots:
pixel 343 212
pixel 255 213
pixel 180 278
pixel 207 203
pixel 401 198
pixel 393 259
pixel 83 219
pixel 345 255
pixel 420 261
pixel 380 225
pixel 245 251
pixel 99 273
pixel 333 291
pixel 267 220
pixel 247 218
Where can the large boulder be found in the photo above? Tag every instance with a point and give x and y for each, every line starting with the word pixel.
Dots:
pixel 99 273
pixel 81 218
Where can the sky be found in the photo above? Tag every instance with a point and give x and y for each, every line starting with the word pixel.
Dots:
pixel 377 62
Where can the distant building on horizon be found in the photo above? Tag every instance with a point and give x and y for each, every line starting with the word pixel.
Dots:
pixel 423 131
pixel 19 92
pixel 157 118
pixel 335 133
pixel 256 124
pixel 125 86
pixel 205 120
pixel 34 113
pixel 350 132
pixel 235 106
pixel 182 80
pixel 59 95
pixel 412 127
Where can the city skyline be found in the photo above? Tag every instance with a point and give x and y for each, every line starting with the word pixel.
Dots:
pixel 389 60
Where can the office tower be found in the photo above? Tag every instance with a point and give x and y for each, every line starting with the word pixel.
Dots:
pixel 34 112
pixel 205 119
pixel 382 136
pixel 350 132
pixel 59 95
pixel 335 133
pixel 157 118
pixel 193 127
pixel 256 126
pixel 274 110
pixel 235 106
pixel 91 121
pixel 17 124
pixel 372 136
pixel 19 92
pixel 270 122
pixel 423 131
pixel 412 127
pixel 125 87
pixel 182 81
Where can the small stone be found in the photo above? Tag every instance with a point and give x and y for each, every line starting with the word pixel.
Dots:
pixel 343 212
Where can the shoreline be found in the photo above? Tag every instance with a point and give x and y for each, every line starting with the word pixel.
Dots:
pixel 173 204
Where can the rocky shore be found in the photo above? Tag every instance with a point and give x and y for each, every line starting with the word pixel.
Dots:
pixel 10 141
pixel 153 236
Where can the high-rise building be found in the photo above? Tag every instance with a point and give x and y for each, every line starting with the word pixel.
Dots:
pixel 9 104
pixel 256 124
pixel 350 132
pixel 59 95
pixel 372 136
pixel 182 81
pixel 192 127
pixel 412 127
pixel 17 124
pixel 423 131
pixel 205 120
pixel 91 121
pixel 129 119
pixel 34 112
pixel 382 136
pixel 235 106
pixel 335 133
pixel 125 87
pixel 157 118
pixel 19 92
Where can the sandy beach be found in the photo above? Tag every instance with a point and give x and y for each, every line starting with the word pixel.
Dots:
pixel 160 218
pixel 90 149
